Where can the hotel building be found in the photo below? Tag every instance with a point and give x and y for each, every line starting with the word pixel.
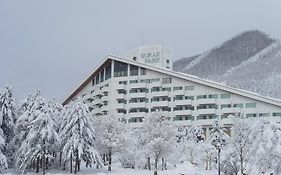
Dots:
pixel 144 83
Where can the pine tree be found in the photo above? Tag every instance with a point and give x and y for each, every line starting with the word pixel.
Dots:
pixel 78 136
pixel 3 160
pixel 41 138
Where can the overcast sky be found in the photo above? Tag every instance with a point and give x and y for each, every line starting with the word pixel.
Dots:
pixel 53 45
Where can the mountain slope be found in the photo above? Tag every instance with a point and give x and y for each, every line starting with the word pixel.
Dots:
pixel 215 62
pixel 249 61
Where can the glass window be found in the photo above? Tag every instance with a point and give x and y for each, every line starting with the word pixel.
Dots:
pixel 238 105
pixel 97 78
pixel 177 88
pixel 123 82
pixel 133 81
pixel 122 91
pixel 178 97
pixel 108 71
pixel 265 114
pixel 142 71
pixel 189 97
pixel 201 97
pixel 120 69
pixel 155 80
pixel 225 96
pixel 102 76
pixel 225 106
pixel 251 115
pixel 276 114
pixel 145 81
pixel 166 89
pixel 93 82
pixel 166 80
pixel 250 105
pixel 134 70
pixel 155 89
pixel 189 88
pixel 213 96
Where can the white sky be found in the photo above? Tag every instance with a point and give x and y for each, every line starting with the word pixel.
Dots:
pixel 54 45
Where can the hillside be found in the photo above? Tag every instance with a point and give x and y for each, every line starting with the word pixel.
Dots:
pixel 248 61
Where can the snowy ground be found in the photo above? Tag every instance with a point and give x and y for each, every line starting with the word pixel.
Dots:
pixel 185 169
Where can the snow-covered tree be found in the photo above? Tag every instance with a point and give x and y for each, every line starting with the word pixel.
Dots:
pixel 218 139
pixel 190 139
pixel 160 137
pixel 7 113
pixel 241 142
pixel 3 159
pixel 78 136
pixel 268 148
pixel 41 138
pixel 109 130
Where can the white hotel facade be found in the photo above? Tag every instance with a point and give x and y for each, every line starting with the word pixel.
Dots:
pixel 143 83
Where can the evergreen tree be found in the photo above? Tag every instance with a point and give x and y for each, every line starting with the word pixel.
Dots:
pixel 41 138
pixel 7 113
pixel 78 136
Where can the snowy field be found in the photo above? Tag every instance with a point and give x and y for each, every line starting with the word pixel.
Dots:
pixel 185 169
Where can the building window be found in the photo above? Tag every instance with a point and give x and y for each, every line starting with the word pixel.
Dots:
pixel 276 114
pixel 155 80
pixel 93 82
pixel 122 101
pixel 102 76
pixel 145 81
pixel 134 70
pixel 166 89
pixel 142 71
pixel 120 69
pixel 189 88
pixel 178 97
pixel 168 61
pixel 108 71
pixel 122 91
pixel 166 80
pixel 123 82
pixel 133 81
pixel 225 106
pixel 251 115
pixel 225 96
pixel 201 97
pixel 121 111
pixel 189 97
pixel 213 96
pixel 265 114
pixel 177 88
pixel 250 105
pixel 238 105
pixel 155 89
pixel 98 79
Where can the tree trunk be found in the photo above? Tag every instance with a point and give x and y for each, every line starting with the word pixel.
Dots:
pixel 44 158
pixel 148 163
pixel 79 163
pixel 155 171
pixel 37 164
pixel 219 161
pixel 163 162
pixel 47 163
pixel 71 163
pixel 60 158
pixel 241 161
pixel 109 160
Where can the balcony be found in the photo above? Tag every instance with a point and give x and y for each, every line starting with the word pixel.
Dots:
pixel 178 92
pixel 105 89
pixel 206 101
pixel 138 85
pixel 206 111
pixel 159 93
pixel 137 95
pixel 231 110
pixel 119 96
pixel 183 112
pixel 120 105
pixel 105 108
pixel 137 105
pixel 88 97
pixel 137 114
pixel 97 101
pixel 159 103
pixel 182 102
pixel 96 111
pixel 105 98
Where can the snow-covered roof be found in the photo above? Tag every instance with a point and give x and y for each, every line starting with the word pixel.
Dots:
pixel 178 75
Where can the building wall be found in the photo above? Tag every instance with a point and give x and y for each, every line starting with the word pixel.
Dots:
pixel 185 102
